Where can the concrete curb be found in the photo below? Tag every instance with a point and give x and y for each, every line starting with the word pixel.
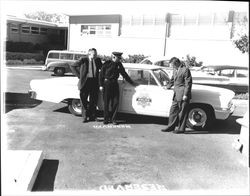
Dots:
pixel 25 67
pixel 20 169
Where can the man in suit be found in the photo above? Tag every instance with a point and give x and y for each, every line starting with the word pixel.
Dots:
pixel 87 70
pixel 108 83
pixel 182 82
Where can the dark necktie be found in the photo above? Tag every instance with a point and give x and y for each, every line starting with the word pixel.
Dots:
pixel 92 66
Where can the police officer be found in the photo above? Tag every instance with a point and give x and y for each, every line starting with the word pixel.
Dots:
pixel 109 75
pixel 87 70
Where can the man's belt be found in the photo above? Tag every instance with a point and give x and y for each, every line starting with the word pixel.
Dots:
pixel 111 80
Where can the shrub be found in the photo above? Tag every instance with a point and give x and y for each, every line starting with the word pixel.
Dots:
pixel 14 62
pixel 32 62
pixel 136 58
pixel 22 56
pixel 28 47
pixel 191 62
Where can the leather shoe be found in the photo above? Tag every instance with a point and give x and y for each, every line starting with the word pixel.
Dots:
pixel 105 122
pixel 93 119
pixel 85 120
pixel 166 130
pixel 178 131
pixel 114 123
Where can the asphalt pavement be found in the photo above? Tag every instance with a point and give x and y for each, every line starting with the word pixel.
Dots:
pixel 134 154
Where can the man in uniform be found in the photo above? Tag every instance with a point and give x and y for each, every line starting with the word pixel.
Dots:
pixel 182 82
pixel 108 83
pixel 87 70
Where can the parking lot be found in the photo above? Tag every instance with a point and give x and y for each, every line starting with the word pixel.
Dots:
pixel 87 156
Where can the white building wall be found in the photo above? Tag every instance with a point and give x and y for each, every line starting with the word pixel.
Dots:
pixel 205 37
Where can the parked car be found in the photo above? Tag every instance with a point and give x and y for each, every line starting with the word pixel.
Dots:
pixel 231 77
pixel 162 61
pixel 150 97
pixel 58 61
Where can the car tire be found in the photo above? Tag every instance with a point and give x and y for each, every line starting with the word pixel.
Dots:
pixel 59 71
pixel 75 107
pixel 200 117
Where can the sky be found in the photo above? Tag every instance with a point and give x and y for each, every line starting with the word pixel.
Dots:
pixel 118 7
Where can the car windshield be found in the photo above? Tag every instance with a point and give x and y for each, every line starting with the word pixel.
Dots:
pixel 161 76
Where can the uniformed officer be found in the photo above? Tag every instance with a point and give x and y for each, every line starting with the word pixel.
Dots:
pixel 109 75
pixel 87 70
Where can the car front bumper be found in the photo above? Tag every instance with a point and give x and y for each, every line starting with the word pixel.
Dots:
pixel 222 114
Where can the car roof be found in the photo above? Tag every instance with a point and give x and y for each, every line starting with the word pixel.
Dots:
pixel 140 66
pixel 68 51
pixel 156 58
pixel 221 67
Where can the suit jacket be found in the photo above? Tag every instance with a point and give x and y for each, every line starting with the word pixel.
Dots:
pixel 182 82
pixel 81 68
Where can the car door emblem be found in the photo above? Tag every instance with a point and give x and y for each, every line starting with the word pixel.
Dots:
pixel 144 100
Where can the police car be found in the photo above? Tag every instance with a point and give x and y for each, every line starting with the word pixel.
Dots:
pixel 150 97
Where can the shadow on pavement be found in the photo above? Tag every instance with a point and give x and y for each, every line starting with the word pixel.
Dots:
pixel 63 110
pixel 19 101
pixel 46 176
pixel 123 118
pixel 229 126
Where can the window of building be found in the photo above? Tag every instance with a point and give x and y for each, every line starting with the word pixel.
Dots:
pixel 26 29
pixel 159 20
pixel 96 30
pixel 205 19
pixel 43 31
pixel 35 30
pixel 14 28
pixel 148 20
pixel 176 19
pixel 136 20
pixel 66 56
pixel 190 19
pixel 220 18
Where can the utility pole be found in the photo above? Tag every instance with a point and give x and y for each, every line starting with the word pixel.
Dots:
pixel 166 32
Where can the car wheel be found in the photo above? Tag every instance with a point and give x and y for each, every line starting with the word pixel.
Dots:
pixel 75 107
pixel 199 117
pixel 59 71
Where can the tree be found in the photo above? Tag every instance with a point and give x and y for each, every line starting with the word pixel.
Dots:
pixel 41 15
pixel 240 33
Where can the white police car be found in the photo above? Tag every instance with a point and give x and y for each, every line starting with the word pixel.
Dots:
pixel 150 97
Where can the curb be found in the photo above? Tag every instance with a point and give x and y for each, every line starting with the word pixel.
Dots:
pixel 20 170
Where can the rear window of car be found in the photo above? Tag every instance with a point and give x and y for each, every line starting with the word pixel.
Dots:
pixel 66 56
pixel 78 56
pixel 242 73
pixel 146 61
pixel 162 63
pixel 53 55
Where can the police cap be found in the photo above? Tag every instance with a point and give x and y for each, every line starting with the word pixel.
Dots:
pixel 118 54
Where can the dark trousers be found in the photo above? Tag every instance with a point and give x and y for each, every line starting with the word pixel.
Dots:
pixel 178 115
pixel 90 89
pixel 111 96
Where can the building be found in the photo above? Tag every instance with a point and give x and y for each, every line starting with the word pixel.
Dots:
pixel 35 31
pixel 208 36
